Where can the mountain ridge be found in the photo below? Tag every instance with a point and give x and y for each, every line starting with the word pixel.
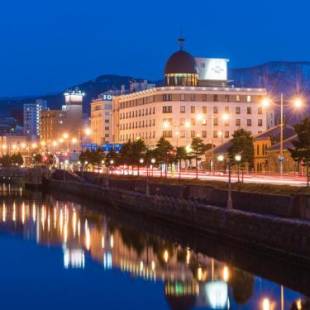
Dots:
pixel 288 77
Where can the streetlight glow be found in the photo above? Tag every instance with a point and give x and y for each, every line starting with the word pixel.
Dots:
pixel 220 157
pixel 153 161
pixel 238 157
pixel 298 103
pixel 266 102
pixel 141 161
pixel 87 131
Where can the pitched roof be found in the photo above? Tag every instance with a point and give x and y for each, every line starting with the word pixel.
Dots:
pixel 274 132
pixel 286 144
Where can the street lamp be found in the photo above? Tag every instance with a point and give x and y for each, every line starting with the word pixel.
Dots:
pixel 153 161
pixel 238 158
pixel 221 158
pixel 141 161
pixel 297 103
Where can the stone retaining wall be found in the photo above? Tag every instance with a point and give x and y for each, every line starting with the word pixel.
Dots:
pixel 256 230
pixel 246 201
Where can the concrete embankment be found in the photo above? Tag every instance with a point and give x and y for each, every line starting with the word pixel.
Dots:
pixel 288 206
pixel 282 235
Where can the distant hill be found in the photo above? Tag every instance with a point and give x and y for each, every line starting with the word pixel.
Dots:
pixel 92 89
pixel 278 76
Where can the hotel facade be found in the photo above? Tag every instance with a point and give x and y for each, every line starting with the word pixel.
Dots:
pixel 197 100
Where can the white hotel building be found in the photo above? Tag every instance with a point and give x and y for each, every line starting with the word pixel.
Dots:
pixel 196 101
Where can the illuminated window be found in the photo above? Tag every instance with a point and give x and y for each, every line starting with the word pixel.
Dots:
pixel 259 110
pixel 192 109
pixel 167 109
pixel 167 133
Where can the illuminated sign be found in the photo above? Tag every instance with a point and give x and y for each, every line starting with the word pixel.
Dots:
pixel 214 69
pixel 107 97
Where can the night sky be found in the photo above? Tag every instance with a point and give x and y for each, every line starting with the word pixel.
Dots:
pixel 47 45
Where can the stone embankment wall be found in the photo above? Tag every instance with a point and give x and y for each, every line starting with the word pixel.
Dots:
pixel 256 230
pixel 278 205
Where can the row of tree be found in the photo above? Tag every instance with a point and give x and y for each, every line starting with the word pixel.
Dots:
pixel 11 160
pixel 136 153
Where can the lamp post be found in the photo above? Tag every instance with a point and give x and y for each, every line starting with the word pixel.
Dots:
pixel 147 188
pixel 141 161
pixel 238 160
pixel 297 103
pixel 111 162
pixel 221 158
pixel 153 161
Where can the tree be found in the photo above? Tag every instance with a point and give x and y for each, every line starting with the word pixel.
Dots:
pixel 17 159
pixel 91 157
pixel 242 143
pixel 125 154
pixel 138 151
pixel 111 158
pixel 6 161
pixel 180 155
pixel 198 149
pixel 301 146
pixel 163 152
pixel 37 159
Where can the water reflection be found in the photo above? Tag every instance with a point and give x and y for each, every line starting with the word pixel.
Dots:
pixel 190 279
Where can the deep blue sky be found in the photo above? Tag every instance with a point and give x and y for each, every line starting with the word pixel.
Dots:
pixel 47 45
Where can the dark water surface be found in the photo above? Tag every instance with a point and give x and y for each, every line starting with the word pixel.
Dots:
pixel 59 254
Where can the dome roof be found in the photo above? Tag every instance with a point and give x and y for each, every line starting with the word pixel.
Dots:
pixel 181 62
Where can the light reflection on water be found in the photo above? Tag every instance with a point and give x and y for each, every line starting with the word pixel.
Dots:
pixel 188 279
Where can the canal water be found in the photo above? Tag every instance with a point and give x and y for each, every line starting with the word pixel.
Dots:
pixel 60 254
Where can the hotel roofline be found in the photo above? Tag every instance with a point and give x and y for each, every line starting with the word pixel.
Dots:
pixel 197 89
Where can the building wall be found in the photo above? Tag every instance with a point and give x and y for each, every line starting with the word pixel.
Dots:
pixel 13 144
pixel 101 121
pixel 260 155
pixel 182 113
pixel 52 124
pixel 289 165
pixel 32 112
